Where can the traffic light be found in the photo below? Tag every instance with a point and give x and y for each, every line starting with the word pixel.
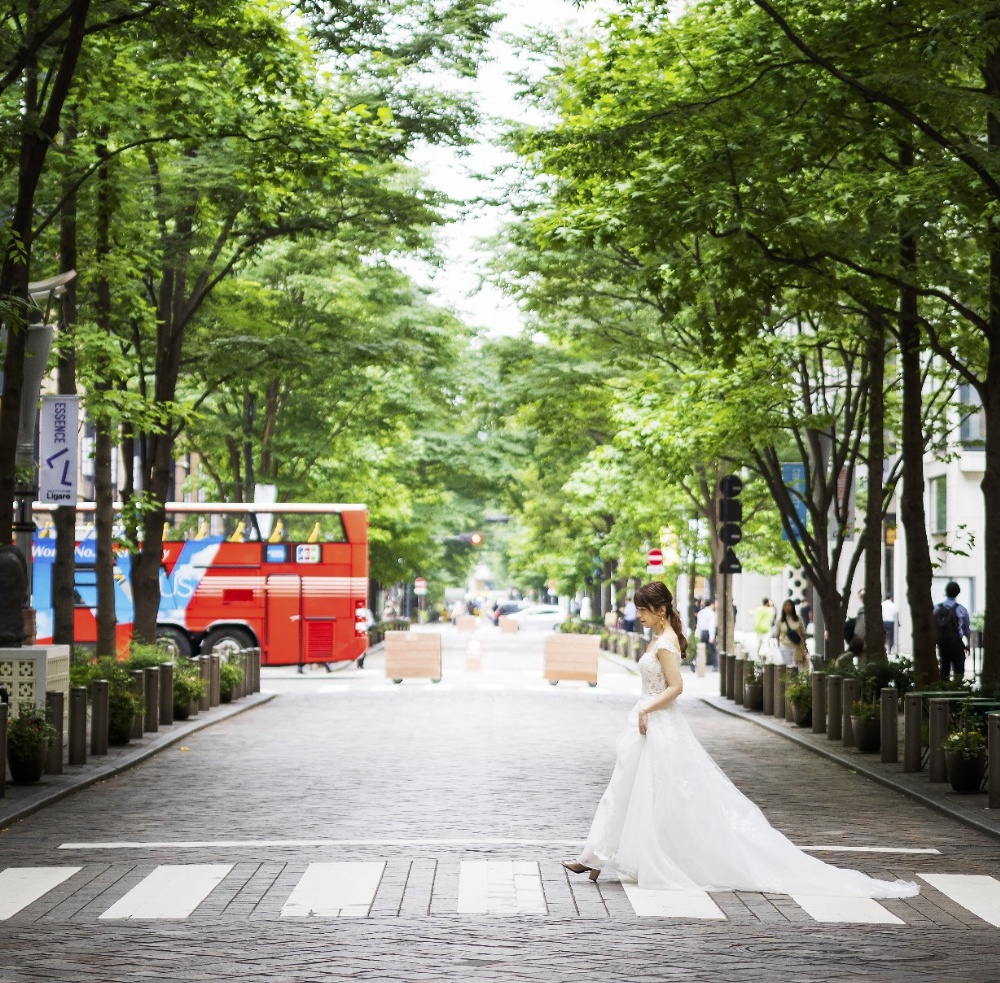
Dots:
pixel 731 521
pixel 471 538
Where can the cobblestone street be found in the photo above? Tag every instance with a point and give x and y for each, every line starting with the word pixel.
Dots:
pixel 352 829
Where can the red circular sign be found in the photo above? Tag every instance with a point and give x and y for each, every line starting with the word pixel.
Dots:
pixel 655 558
pixel 420 582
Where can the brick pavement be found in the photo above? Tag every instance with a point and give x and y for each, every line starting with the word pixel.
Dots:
pixel 487 766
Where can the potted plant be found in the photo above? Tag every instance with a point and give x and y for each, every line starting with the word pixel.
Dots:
pixel 965 756
pixel 866 722
pixel 28 737
pixel 188 688
pixel 753 685
pixel 230 675
pixel 799 693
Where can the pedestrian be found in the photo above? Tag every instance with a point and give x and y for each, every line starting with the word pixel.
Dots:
pixel 671 820
pixel 762 619
pixel 951 624
pixel 855 627
pixel 629 614
pixel 369 620
pixel 707 626
pixel 791 632
pixel 890 618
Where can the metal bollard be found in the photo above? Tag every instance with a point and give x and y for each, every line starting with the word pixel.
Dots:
pixel 213 679
pixel 3 750
pixel 241 662
pixel 194 707
pixel 913 750
pixel 889 698
pixel 99 694
pixel 849 692
pixel 741 665
pixel 78 725
pixel 139 688
pixel 723 671
pixel 779 692
pixel 205 665
pixel 993 752
pixel 939 720
pixel 730 676
pixel 256 662
pixel 167 693
pixel 834 704
pixel 819 702
pixel 789 716
pixel 54 709
pixel 769 690
pixel 152 680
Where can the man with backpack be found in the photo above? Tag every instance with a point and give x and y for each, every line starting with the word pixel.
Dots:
pixel 951 623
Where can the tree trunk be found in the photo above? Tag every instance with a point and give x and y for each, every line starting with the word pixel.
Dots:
pixel 919 571
pixel 874 632
pixel 64 517
pixel 990 396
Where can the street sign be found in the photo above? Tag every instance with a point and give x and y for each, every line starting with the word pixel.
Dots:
pixel 420 587
pixel 58 450
pixel 730 563
pixel 654 561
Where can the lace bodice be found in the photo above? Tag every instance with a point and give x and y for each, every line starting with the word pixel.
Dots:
pixel 653 680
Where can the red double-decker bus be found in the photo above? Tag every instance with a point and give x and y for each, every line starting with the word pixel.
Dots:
pixel 289 578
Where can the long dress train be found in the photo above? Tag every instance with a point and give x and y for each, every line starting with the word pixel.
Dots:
pixel 671 819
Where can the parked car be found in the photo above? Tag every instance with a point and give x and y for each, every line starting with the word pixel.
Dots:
pixel 542 616
pixel 508 608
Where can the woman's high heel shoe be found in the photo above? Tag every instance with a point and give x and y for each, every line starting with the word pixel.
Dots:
pixel 578 868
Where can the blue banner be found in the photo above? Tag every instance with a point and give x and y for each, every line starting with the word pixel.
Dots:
pixel 794 478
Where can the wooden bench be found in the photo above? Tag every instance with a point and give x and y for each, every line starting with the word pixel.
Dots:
pixel 412 655
pixel 571 657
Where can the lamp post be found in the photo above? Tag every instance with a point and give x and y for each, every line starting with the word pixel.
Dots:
pixel 38 344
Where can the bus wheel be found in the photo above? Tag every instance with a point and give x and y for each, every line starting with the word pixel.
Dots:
pixel 397 681
pixel 175 641
pixel 230 640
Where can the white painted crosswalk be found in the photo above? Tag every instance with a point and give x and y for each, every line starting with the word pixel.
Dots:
pixel 475 887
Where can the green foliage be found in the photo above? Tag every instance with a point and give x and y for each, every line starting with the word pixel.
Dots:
pixel 230 675
pixel 188 683
pixel 866 710
pixel 798 690
pixel 28 732
pixel 144 655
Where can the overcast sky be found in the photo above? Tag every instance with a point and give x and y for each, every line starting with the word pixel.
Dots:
pixel 457 285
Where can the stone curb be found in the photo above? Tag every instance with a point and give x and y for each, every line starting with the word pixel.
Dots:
pixel 856 763
pixel 11 812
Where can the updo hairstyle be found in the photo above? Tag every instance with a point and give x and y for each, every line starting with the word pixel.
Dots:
pixel 652 597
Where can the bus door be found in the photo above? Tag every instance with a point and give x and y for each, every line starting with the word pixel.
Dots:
pixel 283 633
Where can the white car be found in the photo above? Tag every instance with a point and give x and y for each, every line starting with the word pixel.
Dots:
pixel 543 616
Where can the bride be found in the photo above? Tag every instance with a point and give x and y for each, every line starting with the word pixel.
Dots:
pixel 670 818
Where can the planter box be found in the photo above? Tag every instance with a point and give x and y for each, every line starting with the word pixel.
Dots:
pixel 464 622
pixel 867 734
pixel 753 696
pixel 571 657
pixel 506 625
pixel 412 655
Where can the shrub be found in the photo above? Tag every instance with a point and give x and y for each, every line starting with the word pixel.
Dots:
pixel 230 675
pixel 798 690
pixel 866 710
pixel 142 655
pixel 28 732
pixel 188 684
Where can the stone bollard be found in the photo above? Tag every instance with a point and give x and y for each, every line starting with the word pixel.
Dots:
pixel 78 725
pixel 54 710
pixel 3 750
pixel 819 702
pixel 139 688
pixel 151 723
pixel 789 716
pixel 834 704
pixel 939 720
pixel 167 693
pixel 633 638
pixel 215 664
pixel 889 715
pixel 913 750
pixel 993 752
pixel 205 666
pixel 779 692
pixel 99 696
pixel 730 676
pixel 769 690
pixel 741 665
pixel 849 692
pixel 723 673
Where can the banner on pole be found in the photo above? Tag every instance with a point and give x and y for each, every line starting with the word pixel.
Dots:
pixel 58 454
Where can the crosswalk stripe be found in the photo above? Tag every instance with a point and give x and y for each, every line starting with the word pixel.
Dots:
pixel 865 911
pixel 978 893
pixel 341 889
pixel 671 904
pixel 21 886
pixel 170 891
pixel 500 887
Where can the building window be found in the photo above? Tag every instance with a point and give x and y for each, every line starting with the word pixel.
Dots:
pixel 939 505
pixel 972 425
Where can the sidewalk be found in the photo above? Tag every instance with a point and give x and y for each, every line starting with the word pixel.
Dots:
pixel 23 800
pixel 970 809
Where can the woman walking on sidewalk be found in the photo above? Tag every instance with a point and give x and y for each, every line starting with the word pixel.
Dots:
pixel 670 818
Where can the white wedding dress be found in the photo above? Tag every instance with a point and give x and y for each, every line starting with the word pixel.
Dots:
pixel 671 819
